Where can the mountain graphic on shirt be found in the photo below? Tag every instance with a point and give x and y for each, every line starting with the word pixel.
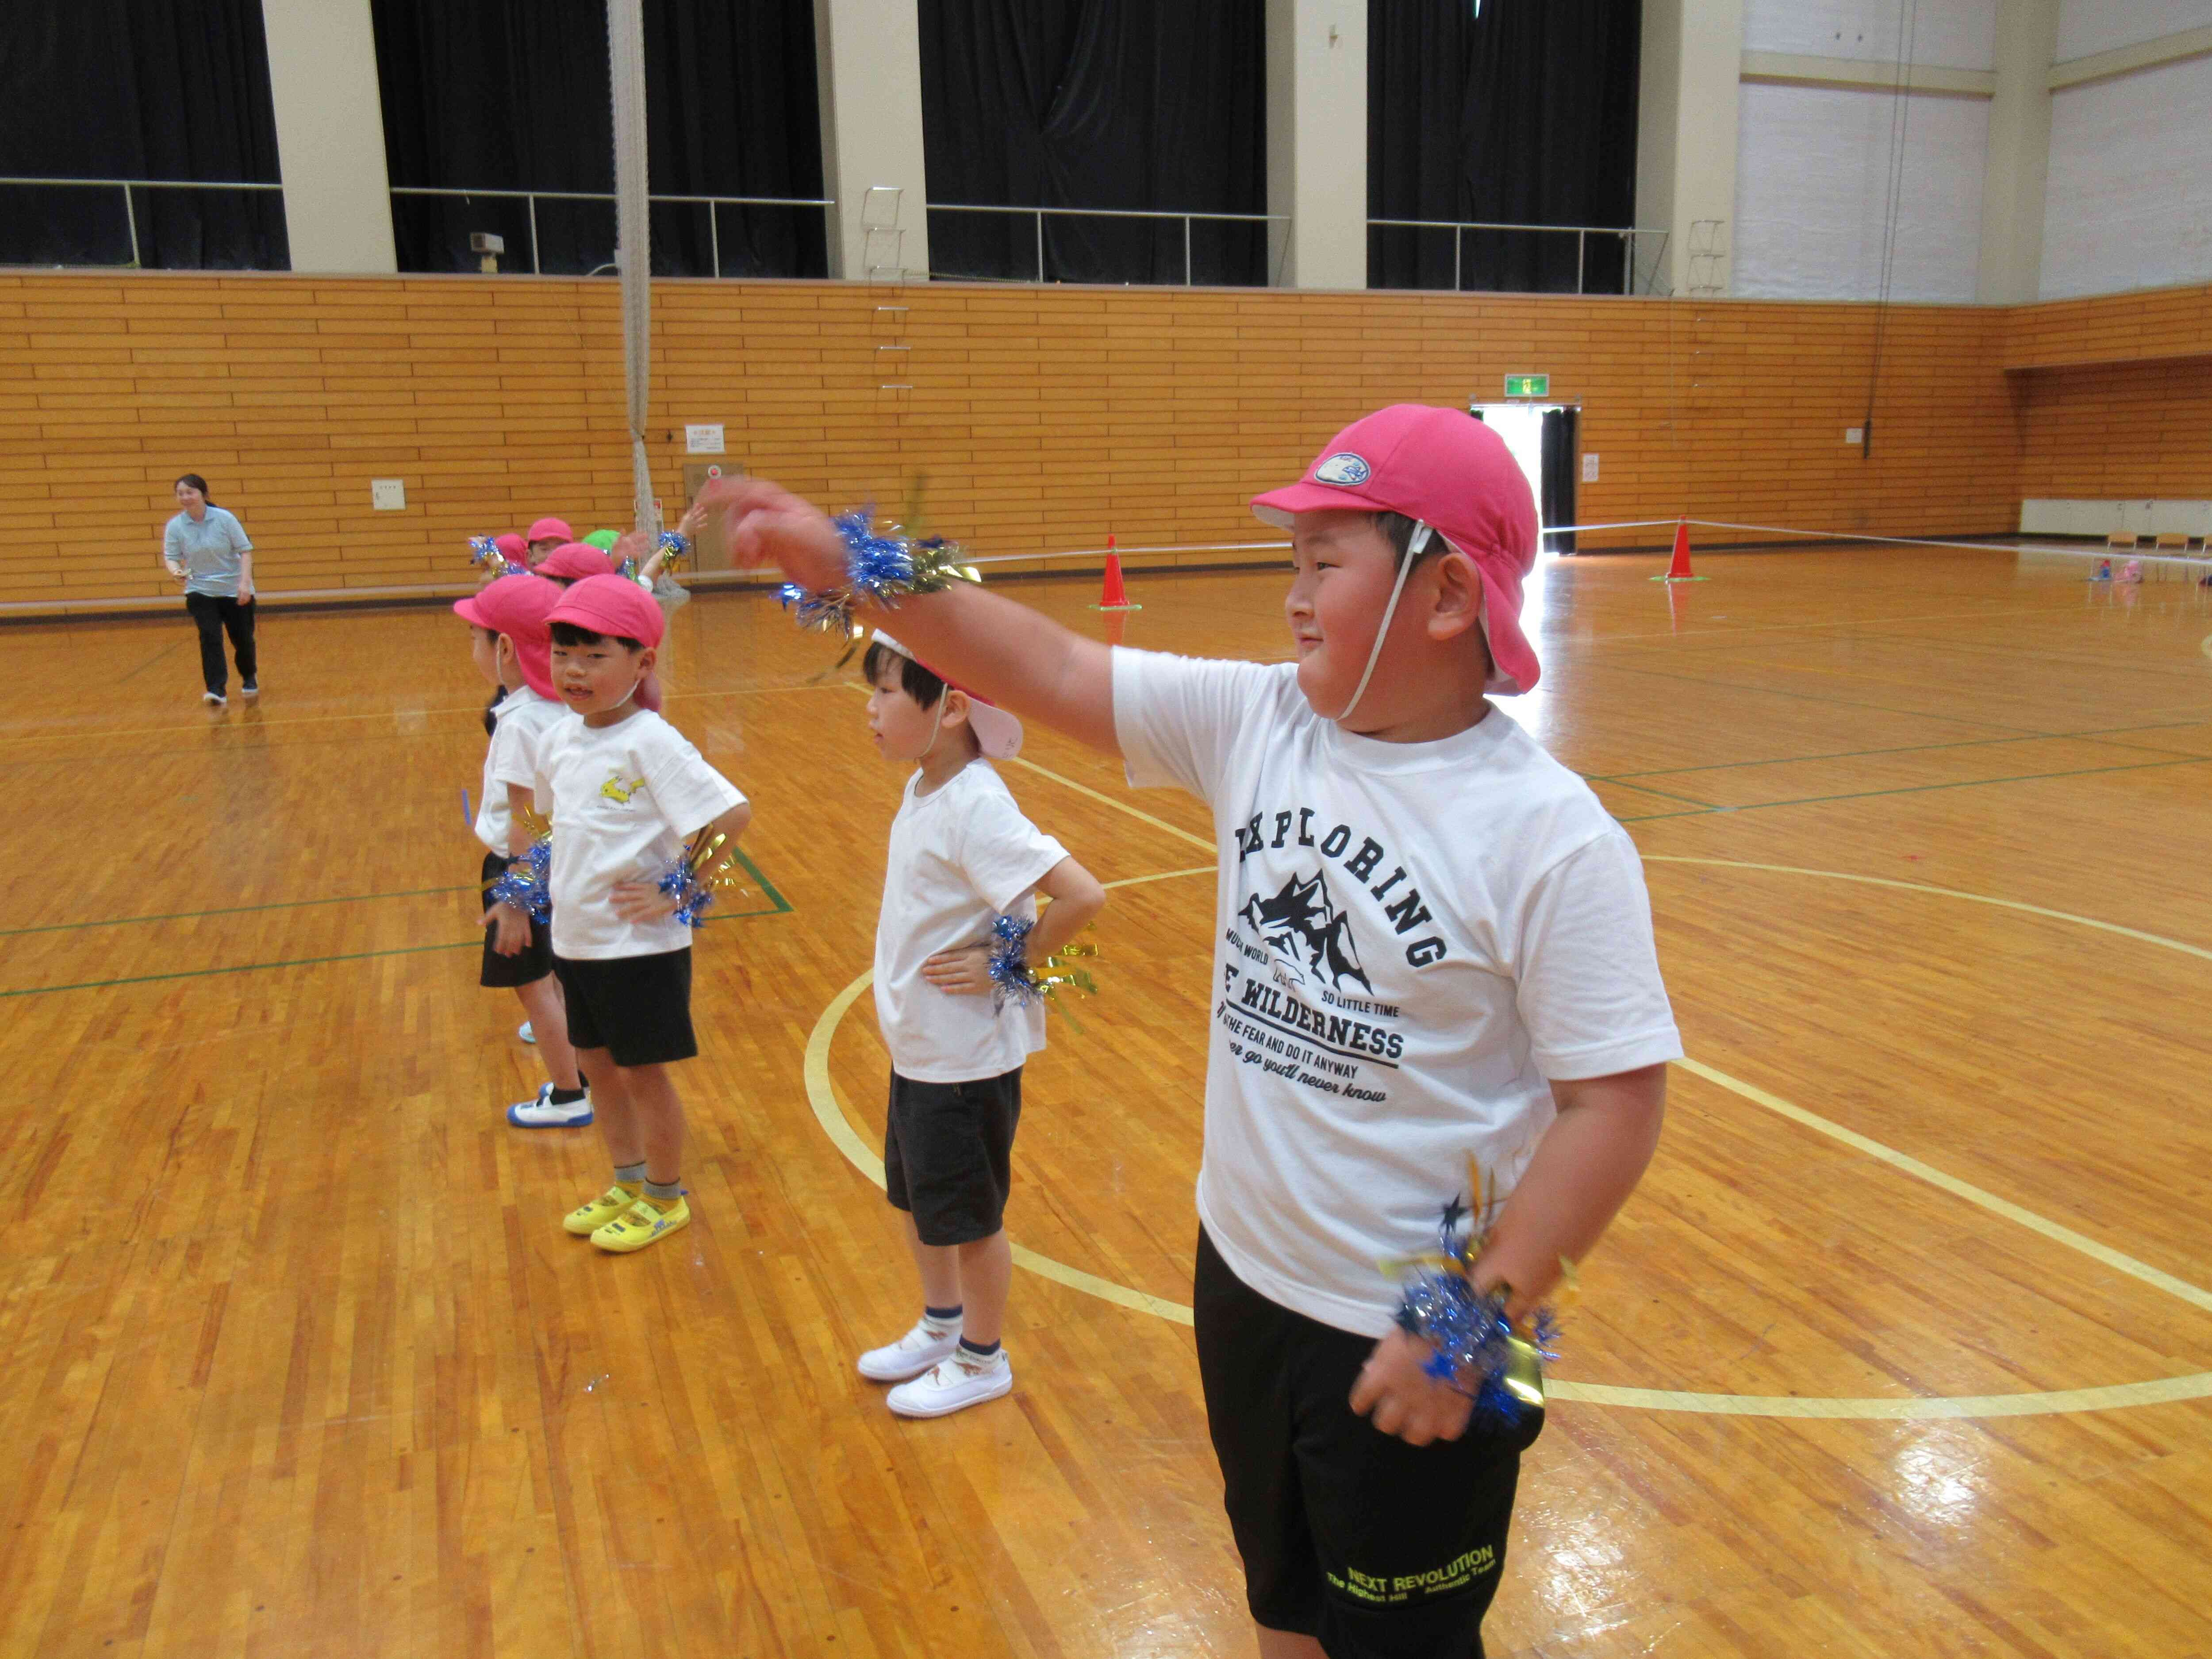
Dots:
pixel 1301 925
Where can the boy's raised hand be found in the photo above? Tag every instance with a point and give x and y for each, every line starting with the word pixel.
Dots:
pixel 766 523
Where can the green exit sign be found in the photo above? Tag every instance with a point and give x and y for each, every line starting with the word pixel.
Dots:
pixel 1527 385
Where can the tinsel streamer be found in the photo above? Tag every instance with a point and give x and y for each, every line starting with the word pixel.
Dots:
pixel 528 887
pixel 696 874
pixel 485 550
pixel 1013 980
pixel 881 568
pixel 674 548
pixel 1474 1347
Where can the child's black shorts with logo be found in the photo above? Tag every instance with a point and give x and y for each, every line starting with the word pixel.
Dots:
pixel 1349 1534
pixel 948 1154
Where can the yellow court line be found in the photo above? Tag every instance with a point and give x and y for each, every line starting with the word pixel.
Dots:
pixel 2157 1391
pixel 2135 933
pixel 1118 805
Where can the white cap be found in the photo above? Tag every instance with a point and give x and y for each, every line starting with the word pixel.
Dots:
pixel 997 733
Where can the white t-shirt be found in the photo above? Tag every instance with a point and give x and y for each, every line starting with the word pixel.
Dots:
pixel 519 728
pixel 1410 938
pixel 961 857
pixel 625 797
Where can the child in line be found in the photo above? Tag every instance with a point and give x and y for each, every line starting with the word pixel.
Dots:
pixel 961 855
pixel 627 792
pixel 570 562
pixel 544 535
pixel 1431 945
pixel 508 637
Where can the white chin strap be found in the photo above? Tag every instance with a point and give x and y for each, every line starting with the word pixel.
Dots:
pixel 1416 545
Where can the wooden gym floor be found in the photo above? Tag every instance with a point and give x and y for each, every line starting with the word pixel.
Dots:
pixel 1903 1348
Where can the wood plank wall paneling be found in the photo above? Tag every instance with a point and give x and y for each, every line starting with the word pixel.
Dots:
pixel 1042 418
pixel 2112 432
pixel 2112 328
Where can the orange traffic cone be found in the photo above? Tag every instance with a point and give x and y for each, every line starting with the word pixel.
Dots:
pixel 1678 570
pixel 1115 596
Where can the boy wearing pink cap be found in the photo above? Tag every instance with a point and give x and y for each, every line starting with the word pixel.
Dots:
pixel 506 627
pixel 627 792
pixel 962 856
pixel 570 562
pixel 1432 945
pixel 546 534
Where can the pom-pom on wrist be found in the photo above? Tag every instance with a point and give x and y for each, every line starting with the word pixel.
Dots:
pixel 528 887
pixel 881 568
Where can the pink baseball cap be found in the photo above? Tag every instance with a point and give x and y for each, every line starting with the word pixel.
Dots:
pixel 997 733
pixel 518 607
pixel 1454 474
pixel 554 530
pixel 575 560
pixel 513 548
pixel 610 605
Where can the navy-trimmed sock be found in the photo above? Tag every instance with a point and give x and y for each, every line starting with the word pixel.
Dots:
pixel 562 1097
pixel 939 1321
pixel 978 1350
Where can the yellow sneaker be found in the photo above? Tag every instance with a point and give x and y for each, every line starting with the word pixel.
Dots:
pixel 640 1224
pixel 587 1218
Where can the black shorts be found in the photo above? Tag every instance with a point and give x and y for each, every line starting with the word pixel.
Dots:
pixel 948 1154
pixel 535 960
pixel 1348 1535
pixel 636 1008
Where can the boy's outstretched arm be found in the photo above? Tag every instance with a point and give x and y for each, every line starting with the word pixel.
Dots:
pixel 1013 655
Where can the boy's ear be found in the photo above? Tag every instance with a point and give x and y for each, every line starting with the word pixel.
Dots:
pixel 1457 606
pixel 955 706
pixel 646 658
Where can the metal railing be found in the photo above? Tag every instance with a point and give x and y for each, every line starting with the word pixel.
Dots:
pixel 532 198
pixel 1626 235
pixel 1274 260
pixel 126 185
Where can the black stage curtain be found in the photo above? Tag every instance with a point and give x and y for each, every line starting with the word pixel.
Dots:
pixel 1560 465
pixel 513 94
pixel 175 89
pixel 1131 104
pixel 1524 114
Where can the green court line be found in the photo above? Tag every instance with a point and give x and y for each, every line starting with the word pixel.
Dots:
pixel 238 910
pixel 1914 749
pixel 241 968
pixel 1807 696
pixel 778 905
pixel 783 906
pixel 1917 788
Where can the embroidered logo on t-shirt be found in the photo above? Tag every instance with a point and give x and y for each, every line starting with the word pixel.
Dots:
pixel 1343 468
pixel 615 789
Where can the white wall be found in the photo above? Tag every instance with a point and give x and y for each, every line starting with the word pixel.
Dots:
pixel 2087 27
pixel 2126 205
pixel 1813 174
pixel 1946 34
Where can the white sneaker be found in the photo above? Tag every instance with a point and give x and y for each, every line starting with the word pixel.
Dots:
pixel 215 697
pixel 524 1031
pixel 911 1355
pixel 543 1114
pixel 953 1385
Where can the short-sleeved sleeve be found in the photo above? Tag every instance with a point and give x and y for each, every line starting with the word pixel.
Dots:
pixel 1177 718
pixel 688 794
pixel 1001 853
pixel 236 531
pixel 1590 991
pixel 173 541
pixel 511 760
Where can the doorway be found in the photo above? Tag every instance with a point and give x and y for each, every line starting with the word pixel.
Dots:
pixel 1541 438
